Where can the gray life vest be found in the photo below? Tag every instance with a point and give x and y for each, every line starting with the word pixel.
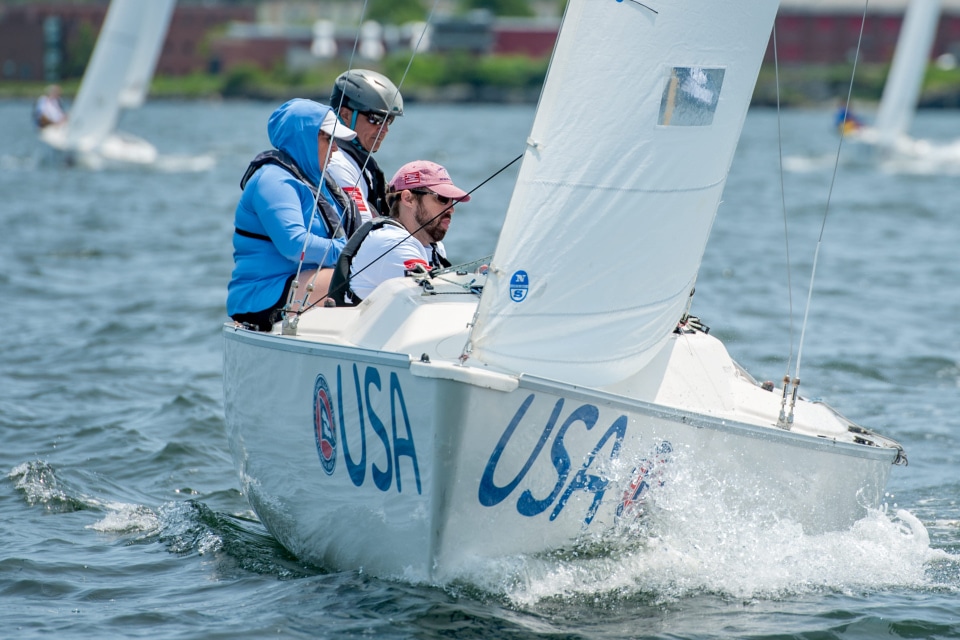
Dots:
pixel 328 213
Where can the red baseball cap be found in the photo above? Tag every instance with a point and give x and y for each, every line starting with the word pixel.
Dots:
pixel 423 174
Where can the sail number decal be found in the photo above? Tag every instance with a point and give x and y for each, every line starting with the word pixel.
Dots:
pixel 396 441
pixel 567 484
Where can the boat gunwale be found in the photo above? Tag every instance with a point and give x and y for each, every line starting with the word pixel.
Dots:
pixel 703 421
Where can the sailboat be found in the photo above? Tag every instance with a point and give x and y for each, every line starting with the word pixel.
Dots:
pixel 890 134
pixel 548 401
pixel 117 77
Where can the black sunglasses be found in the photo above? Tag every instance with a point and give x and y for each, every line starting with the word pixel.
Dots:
pixel 444 200
pixel 377 119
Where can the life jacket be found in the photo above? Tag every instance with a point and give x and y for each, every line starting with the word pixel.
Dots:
pixel 340 291
pixel 372 175
pixel 336 227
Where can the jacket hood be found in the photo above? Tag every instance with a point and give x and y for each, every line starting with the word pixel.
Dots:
pixel 293 128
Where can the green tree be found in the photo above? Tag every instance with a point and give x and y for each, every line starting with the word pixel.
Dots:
pixel 396 11
pixel 499 7
pixel 79 48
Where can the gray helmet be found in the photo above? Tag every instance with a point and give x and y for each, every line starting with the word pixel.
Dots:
pixel 365 90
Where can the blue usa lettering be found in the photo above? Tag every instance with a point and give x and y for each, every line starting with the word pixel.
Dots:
pixel 396 443
pixel 528 504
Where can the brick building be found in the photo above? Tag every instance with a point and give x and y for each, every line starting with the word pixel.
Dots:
pixel 38 38
pixel 827 31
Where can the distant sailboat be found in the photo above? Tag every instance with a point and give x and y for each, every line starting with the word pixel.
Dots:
pixel 117 77
pixel 889 137
pixel 901 93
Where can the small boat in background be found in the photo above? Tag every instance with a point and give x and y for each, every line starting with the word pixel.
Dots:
pixel 553 400
pixel 117 78
pixel 888 140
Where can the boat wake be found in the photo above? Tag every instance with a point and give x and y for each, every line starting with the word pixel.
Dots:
pixel 907 157
pixel 238 543
pixel 680 546
pixel 184 164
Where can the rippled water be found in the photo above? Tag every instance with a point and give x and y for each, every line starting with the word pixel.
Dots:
pixel 119 504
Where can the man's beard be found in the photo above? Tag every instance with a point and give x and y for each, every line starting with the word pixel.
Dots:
pixel 432 227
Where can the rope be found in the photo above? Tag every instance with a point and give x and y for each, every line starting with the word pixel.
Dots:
pixel 412 233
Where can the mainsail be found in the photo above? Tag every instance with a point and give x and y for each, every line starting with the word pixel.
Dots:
pixel 619 185
pixel 122 63
pixel 902 88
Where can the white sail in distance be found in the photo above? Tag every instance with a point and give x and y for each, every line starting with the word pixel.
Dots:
pixel 120 46
pixel 155 23
pixel 901 91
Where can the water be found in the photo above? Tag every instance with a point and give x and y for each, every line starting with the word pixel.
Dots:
pixel 119 504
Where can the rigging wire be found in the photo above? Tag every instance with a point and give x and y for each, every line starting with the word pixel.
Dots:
pixel 786 235
pixel 310 286
pixel 295 284
pixel 786 421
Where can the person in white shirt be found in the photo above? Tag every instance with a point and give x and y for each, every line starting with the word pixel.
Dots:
pixel 421 198
pixel 366 102
pixel 49 109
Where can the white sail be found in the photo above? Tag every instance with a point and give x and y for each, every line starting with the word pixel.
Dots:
pixel 117 76
pixel 94 114
pixel 902 88
pixel 607 226
pixel 155 20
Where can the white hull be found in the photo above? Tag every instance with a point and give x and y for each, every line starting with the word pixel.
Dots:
pixel 903 153
pixel 425 467
pixel 554 401
pixel 117 148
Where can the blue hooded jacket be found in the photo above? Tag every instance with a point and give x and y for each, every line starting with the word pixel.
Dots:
pixel 277 205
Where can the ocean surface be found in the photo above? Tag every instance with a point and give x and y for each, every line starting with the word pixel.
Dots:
pixel 120 509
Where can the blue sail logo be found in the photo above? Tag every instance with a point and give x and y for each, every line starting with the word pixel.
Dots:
pixel 519 286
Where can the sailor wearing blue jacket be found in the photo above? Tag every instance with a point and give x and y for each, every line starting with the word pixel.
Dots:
pixel 275 211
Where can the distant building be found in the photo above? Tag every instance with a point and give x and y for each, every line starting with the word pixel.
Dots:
pixel 827 31
pixel 37 39
pixel 533 38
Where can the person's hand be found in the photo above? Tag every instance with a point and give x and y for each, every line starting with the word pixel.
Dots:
pixel 336 248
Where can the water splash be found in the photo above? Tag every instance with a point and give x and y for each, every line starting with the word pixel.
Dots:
pixel 685 559
pixel 39 484
pixel 126 518
pixel 686 543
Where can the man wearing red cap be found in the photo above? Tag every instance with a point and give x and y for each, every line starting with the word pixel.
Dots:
pixel 421 198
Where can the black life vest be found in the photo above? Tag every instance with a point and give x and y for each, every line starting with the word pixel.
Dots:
pixel 372 175
pixel 328 213
pixel 340 291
